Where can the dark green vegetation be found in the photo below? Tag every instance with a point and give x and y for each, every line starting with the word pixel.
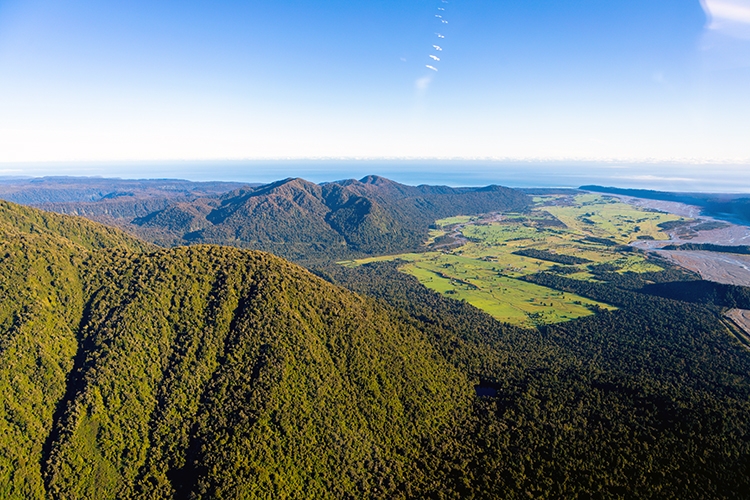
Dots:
pixel 41 302
pixel 212 372
pixel 206 371
pixel 221 373
pixel 709 247
pixel 703 292
pixel 297 219
pixel 573 235
pixel 535 253
pixel 601 241
pixel 310 222
pixel 649 401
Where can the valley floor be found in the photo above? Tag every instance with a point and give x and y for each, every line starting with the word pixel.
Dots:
pixel 485 259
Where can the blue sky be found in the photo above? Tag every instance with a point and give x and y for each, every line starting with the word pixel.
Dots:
pixel 635 80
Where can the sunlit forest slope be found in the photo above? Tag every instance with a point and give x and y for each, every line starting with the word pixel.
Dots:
pixel 129 371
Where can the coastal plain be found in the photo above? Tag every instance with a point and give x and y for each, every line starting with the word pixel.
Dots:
pixel 484 259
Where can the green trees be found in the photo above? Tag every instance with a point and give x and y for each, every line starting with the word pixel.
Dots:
pixel 307 222
pixel 41 302
pixel 650 401
pixel 209 372
pixel 534 253
pixel 229 374
pixel 213 372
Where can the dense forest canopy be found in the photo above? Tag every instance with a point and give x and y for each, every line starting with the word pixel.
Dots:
pixel 130 371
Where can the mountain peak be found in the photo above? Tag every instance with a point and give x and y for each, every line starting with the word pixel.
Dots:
pixel 375 179
pixel 378 181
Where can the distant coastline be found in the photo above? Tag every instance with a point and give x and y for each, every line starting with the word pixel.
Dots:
pixel 675 177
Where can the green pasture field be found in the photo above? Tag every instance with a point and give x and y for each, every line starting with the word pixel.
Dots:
pixel 434 233
pixel 499 233
pixel 485 271
pixel 507 299
pixel 451 221
pixel 604 216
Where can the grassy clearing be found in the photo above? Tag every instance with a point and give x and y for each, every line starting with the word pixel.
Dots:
pixel 459 219
pixel 434 234
pixel 604 216
pixel 507 299
pixel 503 233
pixel 485 272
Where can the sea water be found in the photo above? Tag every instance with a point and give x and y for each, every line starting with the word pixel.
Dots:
pixel 717 178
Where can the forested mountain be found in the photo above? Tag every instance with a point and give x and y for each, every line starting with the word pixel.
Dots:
pixel 212 372
pixel 204 371
pixel 219 373
pixel 298 219
pixel 41 303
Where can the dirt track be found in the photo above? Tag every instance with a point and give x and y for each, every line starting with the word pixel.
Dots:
pixel 741 318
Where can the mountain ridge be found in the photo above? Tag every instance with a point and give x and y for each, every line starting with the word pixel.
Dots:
pixel 298 219
pixel 141 372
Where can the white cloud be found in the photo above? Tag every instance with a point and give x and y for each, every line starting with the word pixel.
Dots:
pixel 731 17
pixel 433 68
pixel 434 58
pixel 726 39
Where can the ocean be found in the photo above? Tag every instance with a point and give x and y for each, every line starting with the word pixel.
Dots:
pixel 714 178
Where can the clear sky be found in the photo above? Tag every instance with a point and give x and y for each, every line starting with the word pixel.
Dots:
pixel 533 79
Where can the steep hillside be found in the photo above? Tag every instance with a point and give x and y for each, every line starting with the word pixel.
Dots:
pixel 227 373
pixel 21 222
pixel 287 218
pixel 41 302
pixel 207 372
